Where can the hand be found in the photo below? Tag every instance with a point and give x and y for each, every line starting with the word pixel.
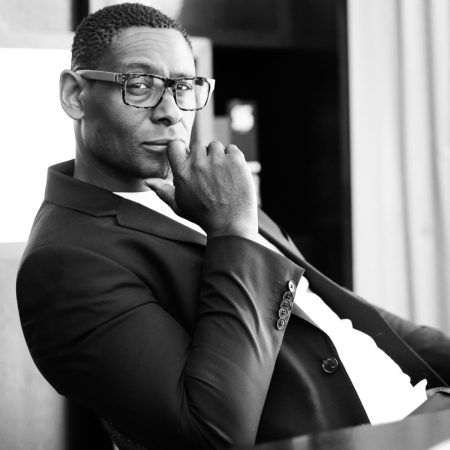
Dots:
pixel 212 187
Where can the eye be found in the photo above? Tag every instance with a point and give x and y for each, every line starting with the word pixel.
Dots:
pixel 185 85
pixel 137 84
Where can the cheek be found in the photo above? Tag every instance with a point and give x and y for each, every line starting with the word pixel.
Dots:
pixel 109 126
pixel 105 113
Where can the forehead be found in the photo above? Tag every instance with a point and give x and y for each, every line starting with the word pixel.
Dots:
pixel 163 50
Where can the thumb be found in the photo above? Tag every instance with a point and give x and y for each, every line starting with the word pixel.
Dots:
pixel 164 190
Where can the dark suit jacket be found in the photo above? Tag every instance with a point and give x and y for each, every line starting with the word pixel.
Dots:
pixel 174 338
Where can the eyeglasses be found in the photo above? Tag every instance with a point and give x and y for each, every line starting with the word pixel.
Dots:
pixel 145 91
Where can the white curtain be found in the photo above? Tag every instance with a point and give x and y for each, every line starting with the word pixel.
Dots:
pixel 399 52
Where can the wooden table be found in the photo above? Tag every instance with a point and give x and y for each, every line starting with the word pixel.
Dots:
pixel 419 432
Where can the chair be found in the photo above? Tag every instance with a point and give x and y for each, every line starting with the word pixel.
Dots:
pixel 121 440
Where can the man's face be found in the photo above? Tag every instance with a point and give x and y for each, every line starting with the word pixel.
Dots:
pixel 123 142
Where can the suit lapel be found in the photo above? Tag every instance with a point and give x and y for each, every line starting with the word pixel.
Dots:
pixel 275 235
pixel 138 217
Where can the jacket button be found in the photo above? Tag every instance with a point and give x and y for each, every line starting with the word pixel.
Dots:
pixel 330 365
pixel 283 313
pixel 288 296
pixel 286 304
pixel 281 323
pixel 291 286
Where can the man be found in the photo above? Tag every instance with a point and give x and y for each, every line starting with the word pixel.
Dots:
pixel 198 325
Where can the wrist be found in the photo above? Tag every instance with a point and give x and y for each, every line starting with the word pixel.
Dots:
pixel 244 230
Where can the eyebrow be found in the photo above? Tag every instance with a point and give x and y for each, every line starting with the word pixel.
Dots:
pixel 147 68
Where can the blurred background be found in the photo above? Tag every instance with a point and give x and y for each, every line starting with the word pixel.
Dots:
pixel 342 108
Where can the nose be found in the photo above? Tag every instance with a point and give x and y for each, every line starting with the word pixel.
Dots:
pixel 167 111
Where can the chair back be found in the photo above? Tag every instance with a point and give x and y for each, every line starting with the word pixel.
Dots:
pixel 122 440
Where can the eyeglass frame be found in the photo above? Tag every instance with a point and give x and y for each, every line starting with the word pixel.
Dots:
pixel 122 78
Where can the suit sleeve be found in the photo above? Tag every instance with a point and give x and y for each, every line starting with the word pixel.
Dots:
pixel 429 343
pixel 99 335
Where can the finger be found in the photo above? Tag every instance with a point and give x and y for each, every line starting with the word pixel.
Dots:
pixel 232 151
pixel 216 151
pixel 164 190
pixel 231 148
pixel 215 147
pixel 198 151
pixel 177 153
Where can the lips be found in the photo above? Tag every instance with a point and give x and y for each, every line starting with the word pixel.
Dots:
pixel 158 145
pixel 154 147
pixel 162 142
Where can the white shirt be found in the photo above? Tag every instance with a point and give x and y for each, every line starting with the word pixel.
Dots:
pixel 384 389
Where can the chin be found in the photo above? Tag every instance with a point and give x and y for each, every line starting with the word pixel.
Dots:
pixel 155 167
pixel 158 172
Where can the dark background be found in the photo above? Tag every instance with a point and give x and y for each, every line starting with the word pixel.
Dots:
pixel 296 92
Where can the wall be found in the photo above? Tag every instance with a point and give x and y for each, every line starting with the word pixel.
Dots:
pixel 31 412
pixel 35 15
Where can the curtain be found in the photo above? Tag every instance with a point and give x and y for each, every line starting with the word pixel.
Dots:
pixel 399 81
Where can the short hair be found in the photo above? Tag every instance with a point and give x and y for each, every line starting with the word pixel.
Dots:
pixel 97 31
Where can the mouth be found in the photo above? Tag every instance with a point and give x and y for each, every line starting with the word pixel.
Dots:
pixel 161 143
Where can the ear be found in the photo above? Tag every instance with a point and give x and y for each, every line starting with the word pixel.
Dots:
pixel 71 90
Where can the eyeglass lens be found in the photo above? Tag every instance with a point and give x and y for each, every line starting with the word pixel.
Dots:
pixel 144 91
